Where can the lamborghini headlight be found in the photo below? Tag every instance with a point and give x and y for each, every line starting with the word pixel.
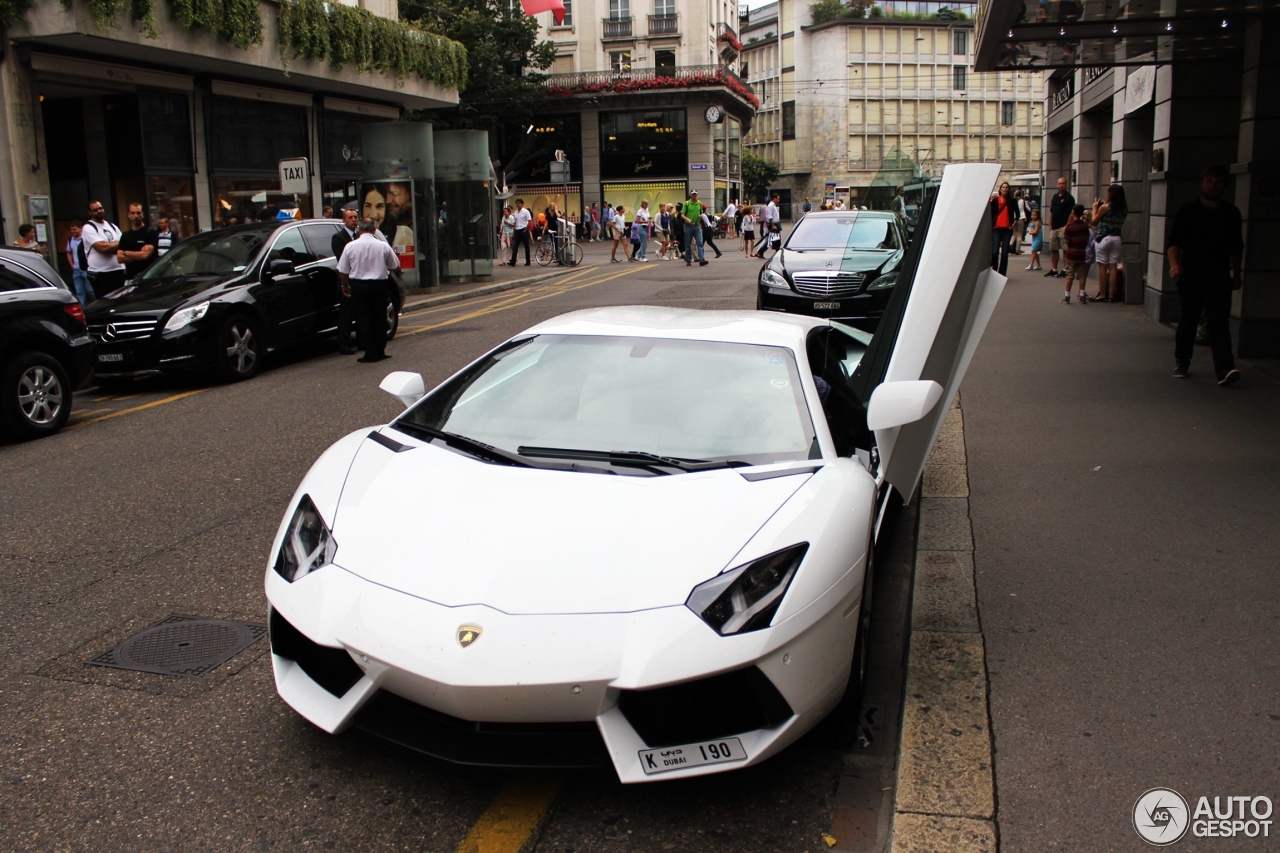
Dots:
pixel 746 598
pixel 307 545
pixel 186 316
pixel 769 278
pixel 884 282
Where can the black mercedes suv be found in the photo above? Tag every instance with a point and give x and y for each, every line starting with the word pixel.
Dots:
pixel 835 263
pixel 45 352
pixel 221 301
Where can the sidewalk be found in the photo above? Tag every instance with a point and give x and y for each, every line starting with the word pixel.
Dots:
pixel 1125 546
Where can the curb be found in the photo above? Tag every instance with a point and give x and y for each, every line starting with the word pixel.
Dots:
pixel 483 290
pixel 945 798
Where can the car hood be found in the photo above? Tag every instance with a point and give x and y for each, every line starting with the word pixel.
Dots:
pixel 160 294
pixel 841 260
pixel 457 531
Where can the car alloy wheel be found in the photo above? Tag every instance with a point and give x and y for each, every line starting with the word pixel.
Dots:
pixel 393 320
pixel 37 395
pixel 40 395
pixel 240 348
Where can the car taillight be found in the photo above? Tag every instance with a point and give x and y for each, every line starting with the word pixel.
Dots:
pixel 75 312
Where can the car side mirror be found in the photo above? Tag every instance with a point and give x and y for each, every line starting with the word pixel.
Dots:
pixel 405 386
pixel 279 266
pixel 895 404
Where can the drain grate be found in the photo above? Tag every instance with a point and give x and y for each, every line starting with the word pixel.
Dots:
pixel 182 645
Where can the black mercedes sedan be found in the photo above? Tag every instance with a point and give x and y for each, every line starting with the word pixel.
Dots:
pixel 840 264
pixel 45 351
pixel 223 300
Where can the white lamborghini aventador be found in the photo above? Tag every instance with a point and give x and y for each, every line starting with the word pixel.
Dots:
pixel 630 536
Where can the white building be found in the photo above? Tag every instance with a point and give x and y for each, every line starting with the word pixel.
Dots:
pixel 647 103
pixel 844 99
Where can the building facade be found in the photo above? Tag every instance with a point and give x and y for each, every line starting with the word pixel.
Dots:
pixel 181 120
pixel 1146 98
pixel 646 103
pixel 851 106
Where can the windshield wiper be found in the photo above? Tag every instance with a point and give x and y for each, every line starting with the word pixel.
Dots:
pixel 636 458
pixel 468 445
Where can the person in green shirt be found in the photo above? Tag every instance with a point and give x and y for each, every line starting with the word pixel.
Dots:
pixel 691 213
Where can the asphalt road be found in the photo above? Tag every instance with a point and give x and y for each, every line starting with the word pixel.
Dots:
pixel 164 500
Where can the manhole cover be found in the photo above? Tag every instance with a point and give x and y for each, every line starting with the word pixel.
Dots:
pixel 182 645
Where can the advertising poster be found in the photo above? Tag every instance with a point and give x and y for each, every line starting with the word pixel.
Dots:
pixel 389 203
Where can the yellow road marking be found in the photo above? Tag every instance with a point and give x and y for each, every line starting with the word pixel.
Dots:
pixel 513 816
pixel 101 399
pixel 125 397
pixel 130 411
pixel 517 301
pixel 504 294
pixel 81 413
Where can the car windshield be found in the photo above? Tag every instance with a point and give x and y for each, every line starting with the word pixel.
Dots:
pixel 687 400
pixel 844 232
pixel 211 253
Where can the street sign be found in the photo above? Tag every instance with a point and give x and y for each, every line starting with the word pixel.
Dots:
pixel 295 176
pixel 559 171
pixel 697 167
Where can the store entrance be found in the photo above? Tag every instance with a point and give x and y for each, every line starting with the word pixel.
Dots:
pixel 120 148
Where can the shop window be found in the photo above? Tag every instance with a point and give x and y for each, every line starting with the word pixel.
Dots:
pixel 788 119
pixel 959 77
pixel 245 136
pixel 166 134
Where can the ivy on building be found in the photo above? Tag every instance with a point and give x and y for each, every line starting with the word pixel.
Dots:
pixel 347 35
pixel 308 29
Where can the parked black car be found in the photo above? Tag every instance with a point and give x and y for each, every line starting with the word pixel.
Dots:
pixel 221 301
pixel 45 350
pixel 835 263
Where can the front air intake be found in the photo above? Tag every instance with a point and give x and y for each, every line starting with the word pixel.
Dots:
pixel 333 669
pixel 728 704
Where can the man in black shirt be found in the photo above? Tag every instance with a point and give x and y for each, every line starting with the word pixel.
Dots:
pixel 1060 205
pixel 137 247
pixel 1205 250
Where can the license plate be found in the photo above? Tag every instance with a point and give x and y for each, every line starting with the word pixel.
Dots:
pixel 825 306
pixel 692 755
pixel 110 356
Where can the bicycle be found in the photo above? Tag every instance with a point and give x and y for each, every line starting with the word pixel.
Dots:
pixel 564 251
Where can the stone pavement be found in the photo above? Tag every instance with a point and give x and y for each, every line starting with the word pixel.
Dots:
pixel 1125 541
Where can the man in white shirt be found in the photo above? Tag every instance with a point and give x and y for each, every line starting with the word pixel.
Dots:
pixel 641 227
pixel 363 270
pixel 772 226
pixel 520 232
pixel 731 219
pixel 102 241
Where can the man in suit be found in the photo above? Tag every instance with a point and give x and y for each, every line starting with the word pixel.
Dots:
pixel 346 310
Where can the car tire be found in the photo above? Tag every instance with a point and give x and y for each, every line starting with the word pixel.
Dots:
pixel 239 348
pixel 393 319
pixel 35 395
pixel 858 672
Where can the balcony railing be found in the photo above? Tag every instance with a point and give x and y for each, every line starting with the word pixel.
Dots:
pixel 664 25
pixel 649 79
pixel 727 36
pixel 619 28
